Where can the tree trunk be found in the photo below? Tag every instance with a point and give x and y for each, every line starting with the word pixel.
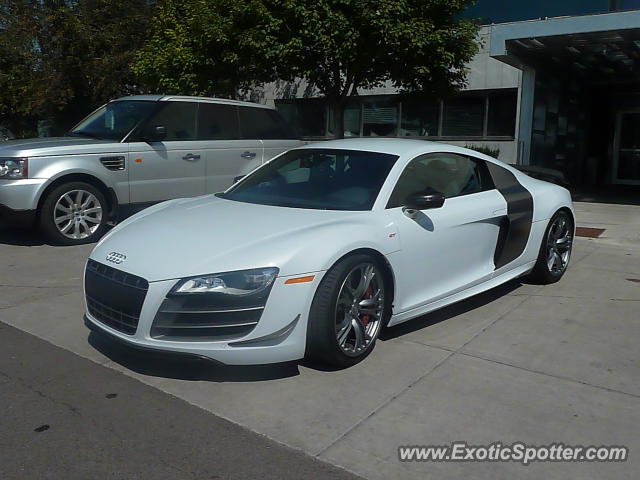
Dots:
pixel 338 116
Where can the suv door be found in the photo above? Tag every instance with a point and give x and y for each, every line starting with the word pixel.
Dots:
pixel 227 154
pixel 267 125
pixel 448 249
pixel 172 167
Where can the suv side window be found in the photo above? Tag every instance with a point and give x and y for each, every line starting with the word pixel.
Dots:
pixel 179 118
pixel 218 121
pixel 451 174
pixel 263 124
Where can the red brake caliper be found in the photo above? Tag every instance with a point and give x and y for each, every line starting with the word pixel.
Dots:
pixel 364 318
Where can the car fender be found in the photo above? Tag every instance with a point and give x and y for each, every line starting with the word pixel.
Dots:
pixel 55 168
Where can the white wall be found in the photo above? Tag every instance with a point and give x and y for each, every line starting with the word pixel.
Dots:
pixel 484 73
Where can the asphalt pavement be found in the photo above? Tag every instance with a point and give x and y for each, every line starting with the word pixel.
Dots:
pixel 66 417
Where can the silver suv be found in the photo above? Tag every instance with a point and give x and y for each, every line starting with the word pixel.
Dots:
pixel 130 153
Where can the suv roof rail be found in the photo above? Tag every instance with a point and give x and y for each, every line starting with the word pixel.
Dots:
pixel 183 98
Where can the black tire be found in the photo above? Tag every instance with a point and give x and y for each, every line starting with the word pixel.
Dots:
pixel 322 342
pixel 46 215
pixel 542 273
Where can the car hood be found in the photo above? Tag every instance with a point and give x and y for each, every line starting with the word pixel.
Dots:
pixel 39 147
pixel 188 237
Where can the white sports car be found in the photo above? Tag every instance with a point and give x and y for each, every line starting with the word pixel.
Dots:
pixel 317 250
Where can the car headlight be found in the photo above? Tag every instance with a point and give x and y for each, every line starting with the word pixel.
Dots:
pixel 14 168
pixel 240 283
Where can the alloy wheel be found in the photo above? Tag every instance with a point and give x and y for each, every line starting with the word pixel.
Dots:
pixel 359 309
pixel 77 214
pixel 559 241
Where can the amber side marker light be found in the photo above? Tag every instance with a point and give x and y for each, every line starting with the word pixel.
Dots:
pixel 300 280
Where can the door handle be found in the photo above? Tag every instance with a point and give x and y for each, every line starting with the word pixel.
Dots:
pixel 248 154
pixel 191 157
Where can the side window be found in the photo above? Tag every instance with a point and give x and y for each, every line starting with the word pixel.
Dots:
pixel 179 118
pixel 448 173
pixel 263 124
pixel 218 122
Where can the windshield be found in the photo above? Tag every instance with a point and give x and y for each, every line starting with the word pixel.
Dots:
pixel 318 179
pixel 115 120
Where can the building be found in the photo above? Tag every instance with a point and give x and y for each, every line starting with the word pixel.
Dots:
pixel 555 84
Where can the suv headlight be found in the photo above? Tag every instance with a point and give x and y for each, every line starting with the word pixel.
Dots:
pixel 240 283
pixel 14 168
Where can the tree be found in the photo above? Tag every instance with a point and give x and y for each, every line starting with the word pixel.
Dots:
pixel 339 46
pixel 209 47
pixel 61 58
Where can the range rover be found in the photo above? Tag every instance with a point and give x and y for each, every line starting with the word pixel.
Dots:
pixel 130 153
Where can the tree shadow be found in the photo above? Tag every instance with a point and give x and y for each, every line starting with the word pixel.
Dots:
pixel 450 311
pixel 181 367
pixel 23 237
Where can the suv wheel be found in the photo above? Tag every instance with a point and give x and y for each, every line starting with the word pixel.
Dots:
pixel 73 214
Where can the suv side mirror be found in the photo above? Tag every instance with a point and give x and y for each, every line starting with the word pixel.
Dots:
pixel 423 201
pixel 156 133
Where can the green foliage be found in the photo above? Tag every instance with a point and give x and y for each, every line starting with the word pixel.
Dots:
pixel 61 58
pixel 214 47
pixel 485 149
pixel 220 47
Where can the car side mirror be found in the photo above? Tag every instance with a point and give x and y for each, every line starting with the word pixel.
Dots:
pixel 238 178
pixel 156 133
pixel 423 201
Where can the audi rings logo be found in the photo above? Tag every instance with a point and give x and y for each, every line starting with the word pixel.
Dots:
pixel 117 258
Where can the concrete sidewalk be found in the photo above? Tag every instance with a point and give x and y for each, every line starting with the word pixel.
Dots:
pixel 537 364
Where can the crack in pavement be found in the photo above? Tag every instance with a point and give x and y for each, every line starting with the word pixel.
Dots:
pixel 408 387
pixel 519 367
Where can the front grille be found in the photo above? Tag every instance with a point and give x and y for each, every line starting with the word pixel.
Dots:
pixel 114 163
pixel 114 297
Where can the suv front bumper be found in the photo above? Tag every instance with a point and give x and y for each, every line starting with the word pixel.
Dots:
pixel 21 194
pixel 19 200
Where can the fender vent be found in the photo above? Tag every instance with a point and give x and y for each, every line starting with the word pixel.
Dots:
pixel 113 163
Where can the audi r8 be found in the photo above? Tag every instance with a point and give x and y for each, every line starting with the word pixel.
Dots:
pixel 316 251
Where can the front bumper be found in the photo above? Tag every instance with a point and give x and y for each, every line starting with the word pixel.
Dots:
pixel 21 194
pixel 280 335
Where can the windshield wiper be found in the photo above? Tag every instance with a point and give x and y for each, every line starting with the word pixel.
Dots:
pixel 80 133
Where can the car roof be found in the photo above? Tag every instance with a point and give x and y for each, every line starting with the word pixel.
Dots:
pixel 395 146
pixel 403 147
pixel 185 98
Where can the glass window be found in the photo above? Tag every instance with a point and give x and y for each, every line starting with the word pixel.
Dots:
pixel 218 121
pixel 625 4
pixel 317 179
pixel 114 120
pixel 307 116
pixel 499 11
pixel 419 118
pixel 263 124
pixel 380 118
pixel 501 120
pixel 352 115
pixel 450 174
pixel 463 117
pixel 179 118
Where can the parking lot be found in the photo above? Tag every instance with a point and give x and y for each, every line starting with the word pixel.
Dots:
pixel 530 363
